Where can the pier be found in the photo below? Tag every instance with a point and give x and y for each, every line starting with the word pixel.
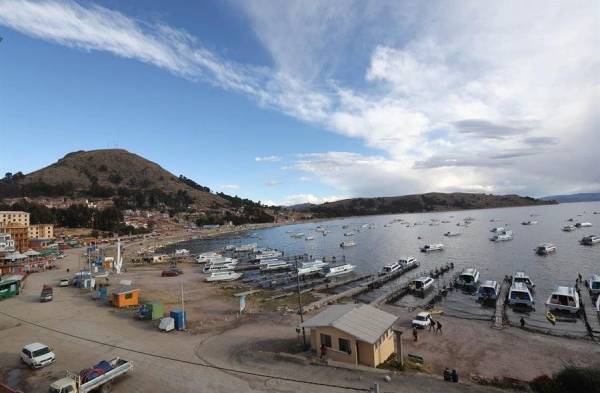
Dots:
pixel 590 315
pixel 501 304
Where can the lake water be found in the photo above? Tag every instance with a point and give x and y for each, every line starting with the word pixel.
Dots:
pixel 382 245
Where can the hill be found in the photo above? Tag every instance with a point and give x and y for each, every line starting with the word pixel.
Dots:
pixel 581 197
pixel 418 203
pixel 128 181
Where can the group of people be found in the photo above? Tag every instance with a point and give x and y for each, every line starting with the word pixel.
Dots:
pixel 450 376
pixel 436 326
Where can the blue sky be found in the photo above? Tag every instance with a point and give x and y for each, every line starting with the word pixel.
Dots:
pixel 289 102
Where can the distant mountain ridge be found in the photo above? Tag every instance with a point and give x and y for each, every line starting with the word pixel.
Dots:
pixel 572 198
pixel 417 203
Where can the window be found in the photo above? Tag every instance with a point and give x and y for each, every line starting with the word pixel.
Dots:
pixel 128 295
pixel 26 353
pixel 345 346
pixel 326 340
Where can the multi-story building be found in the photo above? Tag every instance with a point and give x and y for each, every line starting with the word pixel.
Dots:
pixel 41 231
pixel 19 234
pixel 14 217
pixel 7 245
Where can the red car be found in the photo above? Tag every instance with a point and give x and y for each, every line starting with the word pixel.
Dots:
pixel 170 273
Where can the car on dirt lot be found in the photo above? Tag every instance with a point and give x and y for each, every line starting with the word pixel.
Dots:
pixel 171 273
pixel 64 282
pixel 422 320
pixel 37 355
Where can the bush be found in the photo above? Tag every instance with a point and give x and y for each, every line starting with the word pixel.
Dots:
pixel 571 379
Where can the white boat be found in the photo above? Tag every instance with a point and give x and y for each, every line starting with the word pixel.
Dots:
pixel 525 279
pixel 529 223
pixel 502 236
pixel 497 229
pixel 545 249
pixel 229 247
pixel 488 290
pixel 468 278
pixel 320 229
pixel 519 295
pixel 406 261
pixel 349 234
pixel 569 228
pixel 421 284
pixel 594 284
pixel 308 238
pixel 564 299
pixel 218 268
pixel 247 248
pixel 391 267
pixel 205 257
pixel 311 267
pixel 432 247
pixel 182 252
pixel 348 243
pixel 267 253
pixel 451 234
pixel 590 240
pixel 223 276
pixel 273 264
pixel 332 271
pixel 583 224
pixel 298 235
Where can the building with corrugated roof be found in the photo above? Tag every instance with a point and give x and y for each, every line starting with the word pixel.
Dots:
pixel 353 333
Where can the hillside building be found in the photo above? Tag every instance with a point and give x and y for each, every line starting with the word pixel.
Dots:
pixel 8 217
pixel 41 231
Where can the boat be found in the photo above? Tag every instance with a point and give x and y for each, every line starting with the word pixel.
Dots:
pixel 432 247
pixel 563 299
pixel 349 234
pixel 550 317
pixel 525 279
pixel 182 252
pixel 569 228
pixel 229 247
pixel 332 271
pixel 246 248
pixel 267 253
pixel 223 276
pixel 218 268
pixel 497 230
pixel 206 257
pixel 273 264
pixel 421 284
pixel 407 261
pixel 391 267
pixel 583 224
pixel 519 295
pixel 545 249
pixel 311 267
pixel 468 278
pixel 348 243
pixel 488 290
pixel 298 235
pixel 451 234
pixel 308 238
pixel 502 236
pixel 590 240
pixel 594 284
pixel 529 223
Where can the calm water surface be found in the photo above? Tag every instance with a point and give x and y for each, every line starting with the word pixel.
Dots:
pixel 381 245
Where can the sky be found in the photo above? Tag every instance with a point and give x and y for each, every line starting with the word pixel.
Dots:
pixel 288 102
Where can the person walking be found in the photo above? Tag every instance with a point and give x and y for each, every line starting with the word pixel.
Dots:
pixel 323 351
pixel 454 376
pixel 522 321
pixel 439 327
pixel 415 334
pixel 431 324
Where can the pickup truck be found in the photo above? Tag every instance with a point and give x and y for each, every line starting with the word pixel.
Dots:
pixel 46 294
pixel 100 376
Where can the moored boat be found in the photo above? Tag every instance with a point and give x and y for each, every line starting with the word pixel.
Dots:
pixel 468 278
pixel 347 243
pixel 391 267
pixel 564 299
pixel 223 276
pixel 432 247
pixel 525 279
pixel 502 236
pixel 497 229
pixel 273 264
pixel 451 234
pixel 590 240
pixel 311 267
pixel 338 270
pixel 529 223
pixel 406 261
pixel 488 290
pixel 545 249
pixel 569 228
pixel 583 224
pixel 519 295
pixel 206 257
pixel 421 284
pixel 594 284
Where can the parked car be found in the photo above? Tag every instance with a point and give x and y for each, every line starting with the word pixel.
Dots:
pixel 37 355
pixel 64 282
pixel 171 273
pixel 422 320
pixel 46 294
pixel 176 270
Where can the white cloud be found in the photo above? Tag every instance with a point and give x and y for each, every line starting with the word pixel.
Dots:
pixel 450 105
pixel 268 158
pixel 272 183
pixel 307 198
pixel 229 186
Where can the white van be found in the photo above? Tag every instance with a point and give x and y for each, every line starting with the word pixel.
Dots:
pixel 37 355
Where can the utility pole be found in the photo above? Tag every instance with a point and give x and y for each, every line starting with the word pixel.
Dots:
pixel 300 307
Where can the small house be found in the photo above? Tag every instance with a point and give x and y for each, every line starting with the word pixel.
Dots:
pixel 352 333
pixel 125 296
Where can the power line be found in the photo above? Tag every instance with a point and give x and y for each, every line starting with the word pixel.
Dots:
pixel 224 369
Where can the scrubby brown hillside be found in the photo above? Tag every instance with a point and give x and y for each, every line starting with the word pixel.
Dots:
pixel 418 203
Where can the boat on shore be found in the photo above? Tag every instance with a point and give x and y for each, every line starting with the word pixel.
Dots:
pixel 421 285
pixel 223 276
pixel 525 279
pixel 594 284
pixel 545 249
pixel 519 295
pixel 432 247
pixel 590 240
pixel 564 299
pixel 347 243
pixel 273 264
pixel 267 253
pixel 311 267
pixel 488 290
pixel 206 257
pixel 468 278
pixel 338 270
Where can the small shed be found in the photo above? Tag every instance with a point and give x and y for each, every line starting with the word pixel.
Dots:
pixel 125 296
pixel 352 333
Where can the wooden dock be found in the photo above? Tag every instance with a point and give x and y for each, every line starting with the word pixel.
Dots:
pixel 590 315
pixel 501 304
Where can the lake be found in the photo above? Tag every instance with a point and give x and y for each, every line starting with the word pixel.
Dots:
pixel 382 244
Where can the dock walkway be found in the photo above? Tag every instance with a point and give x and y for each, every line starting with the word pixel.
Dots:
pixel 500 305
pixel 590 314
